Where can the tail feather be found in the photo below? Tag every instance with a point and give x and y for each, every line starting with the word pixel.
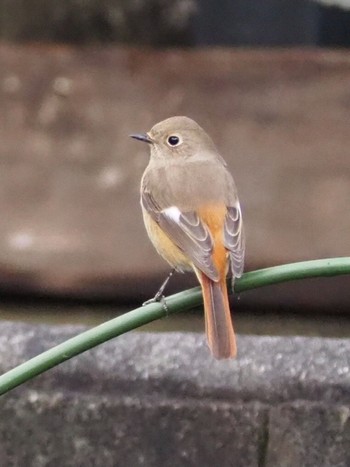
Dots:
pixel 218 321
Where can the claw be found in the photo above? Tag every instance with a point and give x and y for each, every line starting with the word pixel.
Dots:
pixel 159 296
pixel 158 299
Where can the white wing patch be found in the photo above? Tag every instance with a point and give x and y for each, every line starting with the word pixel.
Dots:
pixel 173 213
pixel 186 230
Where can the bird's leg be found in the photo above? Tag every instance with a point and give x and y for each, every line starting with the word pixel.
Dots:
pixel 159 296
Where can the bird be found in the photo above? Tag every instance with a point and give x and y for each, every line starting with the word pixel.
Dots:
pixel 193 218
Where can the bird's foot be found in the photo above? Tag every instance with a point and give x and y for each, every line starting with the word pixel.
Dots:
pixel 158 298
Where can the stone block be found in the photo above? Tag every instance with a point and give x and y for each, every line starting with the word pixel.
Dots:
pixel 161 400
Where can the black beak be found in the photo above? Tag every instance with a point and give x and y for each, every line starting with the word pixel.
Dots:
pixel 142 137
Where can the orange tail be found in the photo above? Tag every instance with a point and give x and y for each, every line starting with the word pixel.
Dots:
pixel 218 322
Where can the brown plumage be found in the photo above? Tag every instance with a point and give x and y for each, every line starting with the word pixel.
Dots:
pixel 192 216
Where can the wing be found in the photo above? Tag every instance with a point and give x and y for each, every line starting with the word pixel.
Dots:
pixel 234 238
pixel 187 231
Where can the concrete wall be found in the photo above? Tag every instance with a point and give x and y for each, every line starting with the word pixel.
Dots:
pixel 161 400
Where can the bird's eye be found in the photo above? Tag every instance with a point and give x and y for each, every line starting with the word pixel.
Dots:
pixel 173 140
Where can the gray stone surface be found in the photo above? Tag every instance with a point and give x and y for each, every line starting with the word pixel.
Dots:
pixel 92 430
pixel 71 222
pixel 309 434
pixel 161 400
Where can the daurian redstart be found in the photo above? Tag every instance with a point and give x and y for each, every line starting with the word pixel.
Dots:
pixel 193 217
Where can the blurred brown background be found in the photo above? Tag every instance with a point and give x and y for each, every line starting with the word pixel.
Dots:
pixel 268 80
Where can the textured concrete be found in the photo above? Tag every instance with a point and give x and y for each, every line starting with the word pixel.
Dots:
pixel 161 400
pixel 309 434
pixel 69 178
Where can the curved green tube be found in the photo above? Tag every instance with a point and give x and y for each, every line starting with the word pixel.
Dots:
pixel 178 302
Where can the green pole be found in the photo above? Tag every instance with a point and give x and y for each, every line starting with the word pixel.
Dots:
pixel 144 315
